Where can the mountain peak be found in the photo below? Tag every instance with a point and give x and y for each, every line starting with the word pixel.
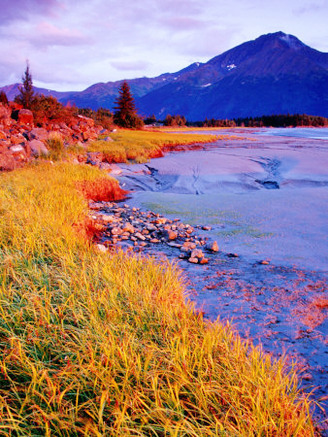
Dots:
pixel 289 41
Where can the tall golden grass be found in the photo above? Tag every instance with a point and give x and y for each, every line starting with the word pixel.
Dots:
pixel 104 344
pixel 141 145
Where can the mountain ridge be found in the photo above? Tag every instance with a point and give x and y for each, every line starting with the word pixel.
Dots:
pixel 273 74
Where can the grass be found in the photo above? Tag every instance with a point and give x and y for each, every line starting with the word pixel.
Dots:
pixel 140 146
pixel 103 344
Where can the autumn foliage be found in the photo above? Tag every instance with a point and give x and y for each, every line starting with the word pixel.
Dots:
pixel 102 189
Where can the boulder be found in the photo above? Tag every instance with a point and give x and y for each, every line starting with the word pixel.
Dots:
pixel 188 246
pixel 197 253
pixel 7 162
pixel 17 139
pixel 5 115
pixel 128 228
pixel 38 133
pixel 19 153
pixel 169 234
pixel 25 116
pixel 213 246
pixel 37 148
pixel 85 120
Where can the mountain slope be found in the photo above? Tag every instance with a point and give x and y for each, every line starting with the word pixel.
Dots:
pixel 276 73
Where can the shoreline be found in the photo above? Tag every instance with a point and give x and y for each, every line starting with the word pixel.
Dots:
pixel 301 292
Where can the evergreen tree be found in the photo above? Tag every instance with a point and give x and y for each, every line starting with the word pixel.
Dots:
pixel 125 111
pixel 26 96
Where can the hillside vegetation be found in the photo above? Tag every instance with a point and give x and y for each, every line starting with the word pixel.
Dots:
pixel 95 344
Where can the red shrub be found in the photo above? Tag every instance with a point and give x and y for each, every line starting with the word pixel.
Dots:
pixel 102 189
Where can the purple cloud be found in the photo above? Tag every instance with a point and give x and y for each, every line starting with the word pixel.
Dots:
pixel 47 34
pixel 23 9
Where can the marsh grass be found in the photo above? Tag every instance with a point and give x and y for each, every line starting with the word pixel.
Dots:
pixel 95 344
pixel 140 146
pixel 55 145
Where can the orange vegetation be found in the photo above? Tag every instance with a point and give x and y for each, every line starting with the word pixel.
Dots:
pixel 101 189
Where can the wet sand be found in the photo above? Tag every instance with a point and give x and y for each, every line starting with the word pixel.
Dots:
pixel 266 198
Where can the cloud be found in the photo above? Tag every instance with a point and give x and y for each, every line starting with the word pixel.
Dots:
pixel 180 24
pixel 23 9
pixel 309 7
pixel 83 42
pixel 130 65
pixel 46 34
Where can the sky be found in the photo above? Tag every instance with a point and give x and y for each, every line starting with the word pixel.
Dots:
pixel 72 44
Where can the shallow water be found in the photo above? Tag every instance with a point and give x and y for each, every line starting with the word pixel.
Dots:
pixel 314 133
pixel 266 198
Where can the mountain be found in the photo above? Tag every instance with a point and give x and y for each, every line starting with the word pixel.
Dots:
pixel 103 94
pixel 274 74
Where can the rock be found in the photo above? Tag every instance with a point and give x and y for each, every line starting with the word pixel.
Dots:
pixel 7 162
pixel 5 115
pixel 197 253
pixel 187 246
pixel 128 228
pixel 161 221
pixel 193 260
pixel 116 231
pixel 19 152
pixel 206 228
pixel 17 139
pixel 213 246
pixel 109 139
pixel 37 148
pixel 171 235
pixel 203 261
pixel 151 228
pixel 25 116
pixel 108 218
pixel 264 262
pixel 140 236
pixel 232 255
pixel 101 248
pixel 38 133
pixel 85 121
pixel 173 244
pixel 95 158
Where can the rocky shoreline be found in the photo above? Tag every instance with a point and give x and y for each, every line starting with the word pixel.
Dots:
pixel 133 229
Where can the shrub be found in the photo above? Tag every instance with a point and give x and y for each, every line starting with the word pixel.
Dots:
pixel 55 144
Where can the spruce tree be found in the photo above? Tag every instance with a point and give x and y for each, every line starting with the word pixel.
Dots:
pixel 125 111
pixel 26 96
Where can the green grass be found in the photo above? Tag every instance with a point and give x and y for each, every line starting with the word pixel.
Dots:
pixel 140 146
pixel 103 344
